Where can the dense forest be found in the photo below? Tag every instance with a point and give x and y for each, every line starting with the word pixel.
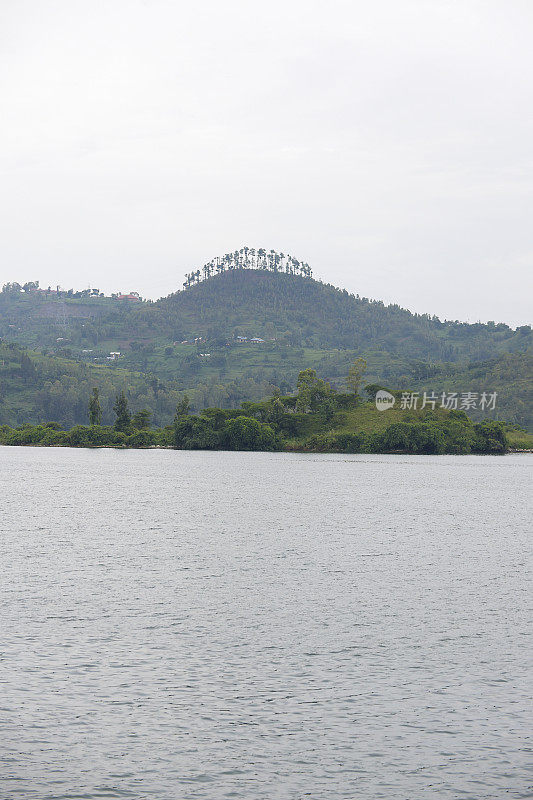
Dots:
pixel 238 335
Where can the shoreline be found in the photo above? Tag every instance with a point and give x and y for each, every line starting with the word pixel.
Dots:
pixel 294 451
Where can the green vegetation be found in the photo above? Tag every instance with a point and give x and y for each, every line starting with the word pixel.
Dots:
pixel 95 409
pixel 199 342
pixel 123 420
pixel 84 436
pixel 316 419
pixel 355 374
pixel 510 375
pixel 35 388
pixel 518 438
pixel 292 310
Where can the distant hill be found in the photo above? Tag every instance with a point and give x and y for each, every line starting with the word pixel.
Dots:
pixel 303 311
pixel 289 308
pixel 200 339
pixel 510 376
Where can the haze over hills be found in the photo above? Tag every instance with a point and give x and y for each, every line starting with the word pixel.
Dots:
pixel 201 339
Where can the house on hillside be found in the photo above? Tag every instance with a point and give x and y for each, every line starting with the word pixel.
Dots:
pixel 257 340
pixel 131 296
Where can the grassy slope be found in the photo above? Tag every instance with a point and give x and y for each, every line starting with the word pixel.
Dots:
pixel 365 418
pixel 368 419
pixel 520 439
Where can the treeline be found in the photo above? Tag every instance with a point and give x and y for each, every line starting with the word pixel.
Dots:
pixel 249 258
pixel 216 429
pixel 310 421
pixel 223 429
pixel 316 419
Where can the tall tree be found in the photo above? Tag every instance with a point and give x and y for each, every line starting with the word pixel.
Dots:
pixel 95 409
pixel 313 392
pixel 123 420
pixel 183 408
pixel 355 375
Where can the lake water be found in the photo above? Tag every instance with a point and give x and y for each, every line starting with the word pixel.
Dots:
pixel 262 626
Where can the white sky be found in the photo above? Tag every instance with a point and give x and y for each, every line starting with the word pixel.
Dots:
pixel 386 142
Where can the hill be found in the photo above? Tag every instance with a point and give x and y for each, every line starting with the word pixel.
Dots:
pixel 304 312
pixel 201 339
pixel 288 308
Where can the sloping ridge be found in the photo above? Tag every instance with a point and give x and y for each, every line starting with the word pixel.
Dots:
pixel 321 315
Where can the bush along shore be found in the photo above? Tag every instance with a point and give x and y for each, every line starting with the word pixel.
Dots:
pixel 314 420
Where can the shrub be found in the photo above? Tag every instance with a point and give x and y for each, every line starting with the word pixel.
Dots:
pixel 247 433
pixel 142 438
pixel 94 436
pixel 27 434
pixel 196 433
pixel 490 437
pixel 350 442
pixel 320 443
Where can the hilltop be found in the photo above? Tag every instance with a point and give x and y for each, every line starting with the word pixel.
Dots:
pixel 288 308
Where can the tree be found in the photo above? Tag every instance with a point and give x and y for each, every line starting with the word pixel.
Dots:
pixel 95 409
pixel 11 288
pixel 277 411
pixel 355 374
pixel 195 433
pixel 490 437
pixel 183 408
pixel 123 420
pixel 312 391
pixel 27 368
pixel 246 433
pixel 141 419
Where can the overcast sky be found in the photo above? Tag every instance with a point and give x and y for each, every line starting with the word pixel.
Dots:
pixel 388 143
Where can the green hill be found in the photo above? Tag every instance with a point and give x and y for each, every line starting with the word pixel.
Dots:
pixel 293 310
pixel 200 340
